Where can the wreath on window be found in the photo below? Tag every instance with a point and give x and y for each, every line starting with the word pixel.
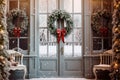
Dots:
pixel 100 20
pixel 17 22
pixel 55 30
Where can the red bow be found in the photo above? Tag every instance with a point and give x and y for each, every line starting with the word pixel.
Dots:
pixel 104 31
pixel 60 34
pixel 17 31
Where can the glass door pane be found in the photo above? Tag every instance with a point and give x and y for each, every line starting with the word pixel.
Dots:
pixel 52 5
pixel 42 20
pixel 68 50
pixel 68 5
pixel 42 6
pixel 77 6
pixel 77 20
pixel 52 50
pixel 43 50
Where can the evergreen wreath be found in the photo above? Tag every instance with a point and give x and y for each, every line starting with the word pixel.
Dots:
pixel 100 18
pixel 12 20
pixel 63 15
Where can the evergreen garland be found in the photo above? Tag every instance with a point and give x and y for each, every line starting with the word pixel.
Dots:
pixel 4 72
pixel 115 66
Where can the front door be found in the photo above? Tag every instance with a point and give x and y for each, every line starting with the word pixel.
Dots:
pixel 63 59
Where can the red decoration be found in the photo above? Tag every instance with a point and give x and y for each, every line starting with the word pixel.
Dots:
pixel 60 34
pixel 17 31
pixel 103 31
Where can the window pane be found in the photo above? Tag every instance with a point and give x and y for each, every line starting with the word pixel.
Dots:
pixel 12 43
pixel 52 5
pixel 43 35
pixel 67 50
pixel 24 5
pixel 25 42
pixel 52 38
pixel 78 35
pixel 68 5
pixel 42 20
pixel 77 6
pixel 97 44
pixel 77 50
pixel 10 34
pixel 52 50
pixel 43 50
pixel 69 37
pixel 107 43
pixel 43 6
pixel 77 20
pixel 13 5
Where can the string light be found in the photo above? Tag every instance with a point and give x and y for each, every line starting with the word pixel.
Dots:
pixel 1 31
pixel 115 66
pixel 115 73
pixel 1 47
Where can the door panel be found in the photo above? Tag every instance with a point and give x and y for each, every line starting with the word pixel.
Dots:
pixel 48 68
pixel 73 67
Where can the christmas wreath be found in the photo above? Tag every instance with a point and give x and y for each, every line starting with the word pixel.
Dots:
pixel 100 20
pixel 17 22
pixel 55 30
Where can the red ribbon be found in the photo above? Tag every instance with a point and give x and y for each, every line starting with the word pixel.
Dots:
pixel 17 31
pixel 60 34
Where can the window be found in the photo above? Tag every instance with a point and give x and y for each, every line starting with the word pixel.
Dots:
pixel 22 41
pixel 102 32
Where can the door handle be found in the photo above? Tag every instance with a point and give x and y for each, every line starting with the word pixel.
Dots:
pixel 62 50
